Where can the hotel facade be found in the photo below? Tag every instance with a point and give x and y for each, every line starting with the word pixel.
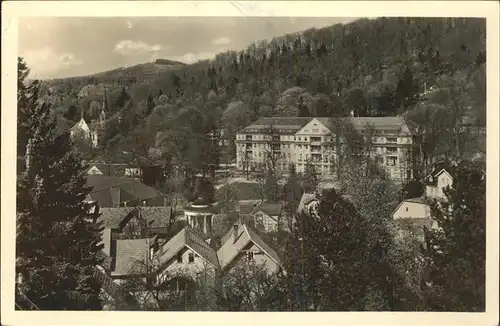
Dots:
pixel 283 141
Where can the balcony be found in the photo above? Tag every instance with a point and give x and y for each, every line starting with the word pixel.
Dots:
pixel 315 141
pixel 316 158
pixel 315 149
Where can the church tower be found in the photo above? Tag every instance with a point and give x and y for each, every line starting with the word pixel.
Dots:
pixel 101 122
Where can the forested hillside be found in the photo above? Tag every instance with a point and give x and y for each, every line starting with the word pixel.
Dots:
pixel 431 70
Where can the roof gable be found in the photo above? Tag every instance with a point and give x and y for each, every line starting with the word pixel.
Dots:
pixel 314 126
pixel 231 249
pixel 188 239
pixel 94 170
pixel 82 125
pixel 418 200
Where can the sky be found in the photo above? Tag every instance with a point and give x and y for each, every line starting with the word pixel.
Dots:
pixel 57 47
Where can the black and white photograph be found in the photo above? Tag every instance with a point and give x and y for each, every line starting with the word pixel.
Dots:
pixel 251 163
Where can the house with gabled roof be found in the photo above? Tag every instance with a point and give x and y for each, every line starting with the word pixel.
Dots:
pixel 440 178
pixel 242 244
pixel 187 253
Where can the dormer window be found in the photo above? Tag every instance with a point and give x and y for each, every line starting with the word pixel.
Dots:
pixel 191 258
pixel 179 258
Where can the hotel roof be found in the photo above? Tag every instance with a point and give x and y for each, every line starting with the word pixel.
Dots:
pixel 290 125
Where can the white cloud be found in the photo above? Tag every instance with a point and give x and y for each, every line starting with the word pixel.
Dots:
pixel 69 59
pixel 190 57
pixel 129 47
pixel 221 41
pixel 46 61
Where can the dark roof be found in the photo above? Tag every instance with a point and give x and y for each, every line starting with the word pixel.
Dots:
pixel 99 182
pixel 113 191
pixel 283 124
pixel 130 256
pixel 418 200
pixel 156 216
pixel 432 177
pixel 112 217
pixel 247 208
pixel 293 124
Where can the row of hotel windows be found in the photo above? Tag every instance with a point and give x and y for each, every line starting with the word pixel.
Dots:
pixel 325 159
pixel 390 160
pixel 284 166
pixel 319 139
pixel 289 138
pixel 283 146
pixel 389 150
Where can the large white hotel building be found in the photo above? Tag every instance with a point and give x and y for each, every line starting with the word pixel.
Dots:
pixel 297 140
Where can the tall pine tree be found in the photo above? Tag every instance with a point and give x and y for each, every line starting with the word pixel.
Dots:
pixel 325 258
pixel 57 242
pixel 456 250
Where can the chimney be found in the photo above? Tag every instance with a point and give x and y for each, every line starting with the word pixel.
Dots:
pixel 235 232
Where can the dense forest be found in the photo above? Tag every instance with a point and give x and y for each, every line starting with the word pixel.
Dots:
pixel 430 70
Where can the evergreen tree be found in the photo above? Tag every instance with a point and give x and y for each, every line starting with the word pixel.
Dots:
pixel 413 189
pixel 57 242
pixel 325 258
pixel 310 178
pixel 122 99
pixel 150 105
pixel 302 108
pixel 24 102
pixel 292 191
pixel 271 187
pixel 456 250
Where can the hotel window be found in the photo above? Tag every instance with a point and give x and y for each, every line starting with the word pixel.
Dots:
pixel 391 150
pixel 305 138
pixel 249 255
pixel 300 157
pixel 391 161
pixel 191 258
